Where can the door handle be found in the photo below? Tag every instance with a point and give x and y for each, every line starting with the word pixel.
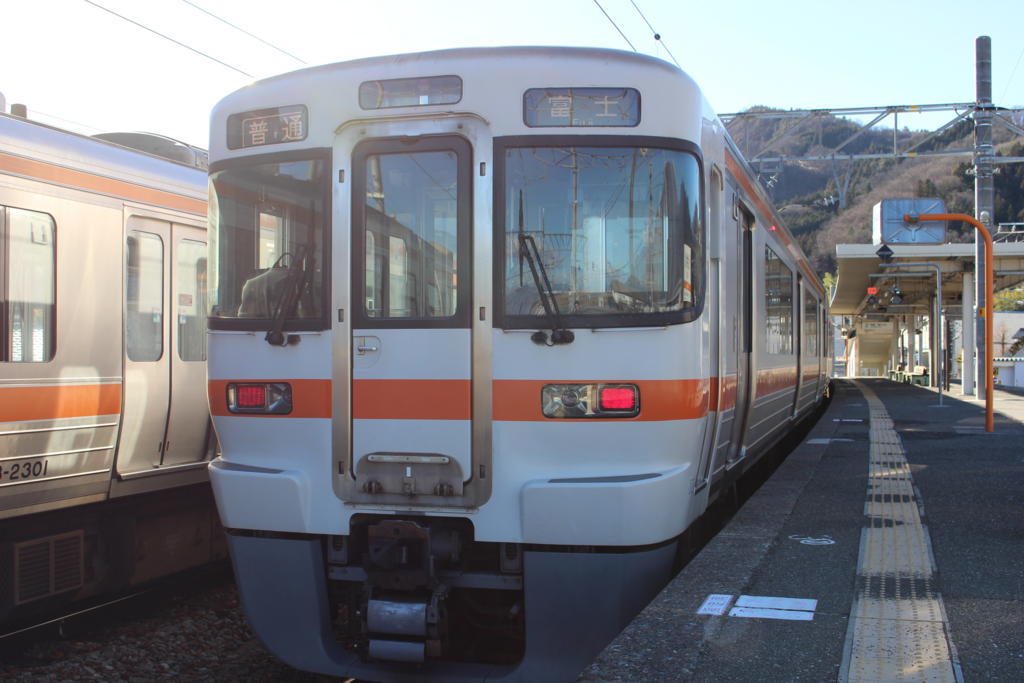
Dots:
pixel 365 345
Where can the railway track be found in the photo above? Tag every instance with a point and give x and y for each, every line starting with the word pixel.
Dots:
pixel 142 633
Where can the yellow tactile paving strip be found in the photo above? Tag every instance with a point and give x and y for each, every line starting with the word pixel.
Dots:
pixel 898 629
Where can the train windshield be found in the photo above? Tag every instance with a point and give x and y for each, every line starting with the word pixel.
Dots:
pixel 267 238
pixel 618 230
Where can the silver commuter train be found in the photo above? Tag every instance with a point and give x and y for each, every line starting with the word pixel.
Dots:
pixel 104 429
pixel 490 329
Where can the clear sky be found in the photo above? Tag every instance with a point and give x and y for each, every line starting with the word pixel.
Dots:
pixel 97 72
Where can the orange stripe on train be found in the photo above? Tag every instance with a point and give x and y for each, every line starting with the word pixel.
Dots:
pixel 412 399
pixel 513 400
pixel 54 402
pixel 728 393
pixel 775 379
pixel 41 170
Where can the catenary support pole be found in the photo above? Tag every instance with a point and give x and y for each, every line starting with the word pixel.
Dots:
pixel 967 330
pixel 984 190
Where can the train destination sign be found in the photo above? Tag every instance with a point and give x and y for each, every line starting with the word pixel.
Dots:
pixel 410 92
pixel 268 126
pixel 581 107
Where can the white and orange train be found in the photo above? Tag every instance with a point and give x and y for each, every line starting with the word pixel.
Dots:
pixel 490 329
pixel 104 431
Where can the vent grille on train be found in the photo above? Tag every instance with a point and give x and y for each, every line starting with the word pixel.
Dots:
pixel 47 566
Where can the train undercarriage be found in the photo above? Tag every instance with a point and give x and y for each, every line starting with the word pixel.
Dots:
pixel 409 591
pixel 55 562
pixel 404 599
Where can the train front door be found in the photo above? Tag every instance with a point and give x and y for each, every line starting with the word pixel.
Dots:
pixel 411 337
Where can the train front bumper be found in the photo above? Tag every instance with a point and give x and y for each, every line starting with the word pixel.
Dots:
pixel 260 498
pixel 629 510
pixel 575 603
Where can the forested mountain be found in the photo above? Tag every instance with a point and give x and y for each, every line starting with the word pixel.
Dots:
pixel 808 193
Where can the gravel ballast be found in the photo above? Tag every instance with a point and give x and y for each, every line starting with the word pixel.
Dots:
pixel 181 634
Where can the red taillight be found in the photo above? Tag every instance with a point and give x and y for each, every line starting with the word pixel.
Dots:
pixel 252 396
pixel 259 398
pixel 618 398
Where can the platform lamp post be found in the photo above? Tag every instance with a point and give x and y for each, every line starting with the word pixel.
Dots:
pixel 913 219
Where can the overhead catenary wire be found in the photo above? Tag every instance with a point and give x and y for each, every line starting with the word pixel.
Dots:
pixel 1013 73
pixel 607 16
pixel 657 36
pixel 36 112
pixel 242 30
pixel 165 37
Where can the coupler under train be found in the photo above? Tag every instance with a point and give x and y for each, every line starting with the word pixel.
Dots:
pixel 413 599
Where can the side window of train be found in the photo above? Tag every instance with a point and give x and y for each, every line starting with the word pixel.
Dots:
pixel 191 298
pixel 778 293
pixel 144 304
pixel 826 335
pixel 810 344
pixel 28 261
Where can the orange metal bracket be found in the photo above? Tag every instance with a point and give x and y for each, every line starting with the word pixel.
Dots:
pixel 980 227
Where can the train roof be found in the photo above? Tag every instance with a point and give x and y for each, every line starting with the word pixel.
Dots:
pixel 27 139
pixel 495 79
pixel 464 54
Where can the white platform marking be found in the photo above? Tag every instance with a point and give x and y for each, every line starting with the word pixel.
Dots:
pixel 757 613
pixel 760 607
pixel 821 442
pixel 812 540
pixel 763 601
pixel 715 604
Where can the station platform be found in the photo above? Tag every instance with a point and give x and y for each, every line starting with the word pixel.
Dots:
pixel 889 546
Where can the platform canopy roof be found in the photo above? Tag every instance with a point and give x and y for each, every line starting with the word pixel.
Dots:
pixel 858 269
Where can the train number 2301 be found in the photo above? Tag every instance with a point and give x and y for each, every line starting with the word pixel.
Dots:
pixel 24 470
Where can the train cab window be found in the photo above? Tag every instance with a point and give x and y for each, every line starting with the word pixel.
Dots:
pixel 270 242
pixel 267 234
pixel 191 300
pixel 778 294
pixel 27 291
pixel 144 303
pixel 411 235
pixel 619 231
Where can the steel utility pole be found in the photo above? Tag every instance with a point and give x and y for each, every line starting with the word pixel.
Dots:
pixel 984 190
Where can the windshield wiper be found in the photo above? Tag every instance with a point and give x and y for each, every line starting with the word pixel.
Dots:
pixel 559 333
pixel 288 297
